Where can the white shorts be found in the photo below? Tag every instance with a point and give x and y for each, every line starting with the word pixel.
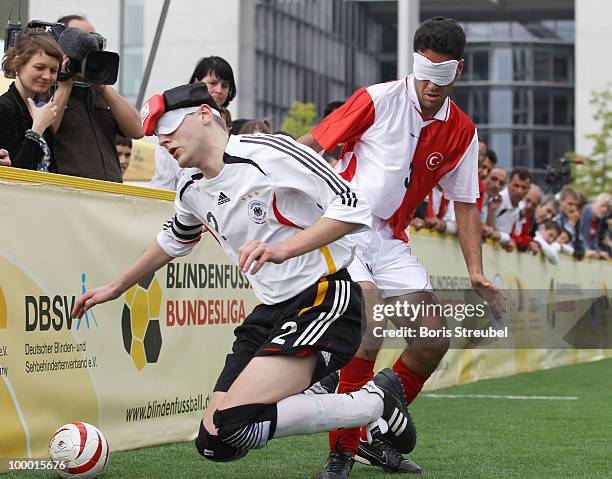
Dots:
pixel 387 262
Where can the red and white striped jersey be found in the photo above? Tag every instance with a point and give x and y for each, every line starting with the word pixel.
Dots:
pixel 395 157
pixel 269 188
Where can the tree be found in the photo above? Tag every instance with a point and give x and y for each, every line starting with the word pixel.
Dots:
pixel 300 118
pixel 595 175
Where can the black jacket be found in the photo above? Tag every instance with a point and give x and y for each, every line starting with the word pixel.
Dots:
pixel 15 120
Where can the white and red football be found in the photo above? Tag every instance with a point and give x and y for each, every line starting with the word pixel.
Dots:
pixel 81 450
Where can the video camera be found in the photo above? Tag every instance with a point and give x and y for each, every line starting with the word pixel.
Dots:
pixel 559 173
pixel 85 50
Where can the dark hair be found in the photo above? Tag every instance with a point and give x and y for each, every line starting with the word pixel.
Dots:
pixel 492 156
pixel 249 127
pixel 29 43
pixel 219 66
pixel 522 173
pixel 553 225
pixel 122 140
pixel 442 35
pixel 68 18
pixel 331 106
pixel 237 125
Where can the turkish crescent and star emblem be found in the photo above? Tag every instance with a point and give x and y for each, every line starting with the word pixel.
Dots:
pixel 434 160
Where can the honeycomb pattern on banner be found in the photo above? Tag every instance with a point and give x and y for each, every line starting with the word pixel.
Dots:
pixel 140 322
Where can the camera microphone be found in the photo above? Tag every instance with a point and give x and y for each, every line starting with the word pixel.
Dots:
pixel 77 43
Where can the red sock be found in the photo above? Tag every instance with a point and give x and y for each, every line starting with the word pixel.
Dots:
pixel 412 382
pixel 352 376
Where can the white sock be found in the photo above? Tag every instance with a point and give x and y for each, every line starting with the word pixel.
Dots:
pixel 311 413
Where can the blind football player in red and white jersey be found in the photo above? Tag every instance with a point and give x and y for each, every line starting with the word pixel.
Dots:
pixel 401 139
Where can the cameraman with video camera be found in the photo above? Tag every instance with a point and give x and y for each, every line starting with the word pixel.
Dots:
pixel 94 115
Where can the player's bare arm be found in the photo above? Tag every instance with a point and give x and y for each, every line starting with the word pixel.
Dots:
pixel 321 233
pixel 468 228
pixel 310 141
pixel 151 260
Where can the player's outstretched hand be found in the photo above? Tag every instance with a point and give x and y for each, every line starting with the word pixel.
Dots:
pixel 490 293
pixel 260 253
pixel 93 297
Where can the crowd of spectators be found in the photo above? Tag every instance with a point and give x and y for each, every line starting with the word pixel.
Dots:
pixel 516 215
pixel 58 124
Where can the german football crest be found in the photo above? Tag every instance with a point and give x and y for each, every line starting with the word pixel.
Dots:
pixel 258 211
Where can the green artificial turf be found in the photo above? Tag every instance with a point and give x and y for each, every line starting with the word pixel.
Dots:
pixel 458 437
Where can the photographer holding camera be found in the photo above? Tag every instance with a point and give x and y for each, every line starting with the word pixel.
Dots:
pixel 94 115
pixel 26 118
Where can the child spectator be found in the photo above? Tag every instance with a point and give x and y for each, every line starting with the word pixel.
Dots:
pixel 563 243
pixel 546 235
pixel 124 153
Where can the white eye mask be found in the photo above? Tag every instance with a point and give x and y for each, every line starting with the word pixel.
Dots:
pixel 441 74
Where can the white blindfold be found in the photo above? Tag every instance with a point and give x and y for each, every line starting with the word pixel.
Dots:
pixel 441 74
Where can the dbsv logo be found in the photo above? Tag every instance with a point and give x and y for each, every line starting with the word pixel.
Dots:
pixel 140 322
pixel 44 313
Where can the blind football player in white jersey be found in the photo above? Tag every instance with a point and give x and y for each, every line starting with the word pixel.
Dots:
pixel 282 215
pixel 401 139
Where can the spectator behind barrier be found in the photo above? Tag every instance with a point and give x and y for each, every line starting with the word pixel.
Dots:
pixel 94 116
pixel 218 75
pixel 524 229
pixel 547 209
pixel 237 125
pixel 255 126
pixel 569 218
pixel 26 131
pixel 494 183
pixel 507 213
pixel 546 236
pixel 593 226
pixel 124 153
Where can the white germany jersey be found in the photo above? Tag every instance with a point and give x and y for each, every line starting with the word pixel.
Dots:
pixel 269 188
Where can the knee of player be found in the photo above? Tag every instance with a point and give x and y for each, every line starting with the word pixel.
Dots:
pixel 213 448
pixel 249 426
pixel 432 350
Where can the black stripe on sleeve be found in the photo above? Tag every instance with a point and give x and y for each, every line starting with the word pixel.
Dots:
pixel 197 176
pixel 229 159
pixel 186 235
pixel 336 186
pixel 186 227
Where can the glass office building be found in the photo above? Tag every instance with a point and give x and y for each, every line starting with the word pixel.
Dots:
pixel 518 87
pixel 312 51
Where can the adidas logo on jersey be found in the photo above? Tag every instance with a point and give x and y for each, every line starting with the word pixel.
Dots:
pixel 222 199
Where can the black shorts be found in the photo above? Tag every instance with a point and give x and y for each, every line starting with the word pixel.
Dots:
pixel 325 319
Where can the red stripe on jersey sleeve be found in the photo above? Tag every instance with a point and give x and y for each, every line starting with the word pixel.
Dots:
pixel 350 169
pixel 279 216
pixel 348 123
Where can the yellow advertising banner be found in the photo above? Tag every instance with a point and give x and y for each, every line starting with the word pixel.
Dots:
pixel 142 367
